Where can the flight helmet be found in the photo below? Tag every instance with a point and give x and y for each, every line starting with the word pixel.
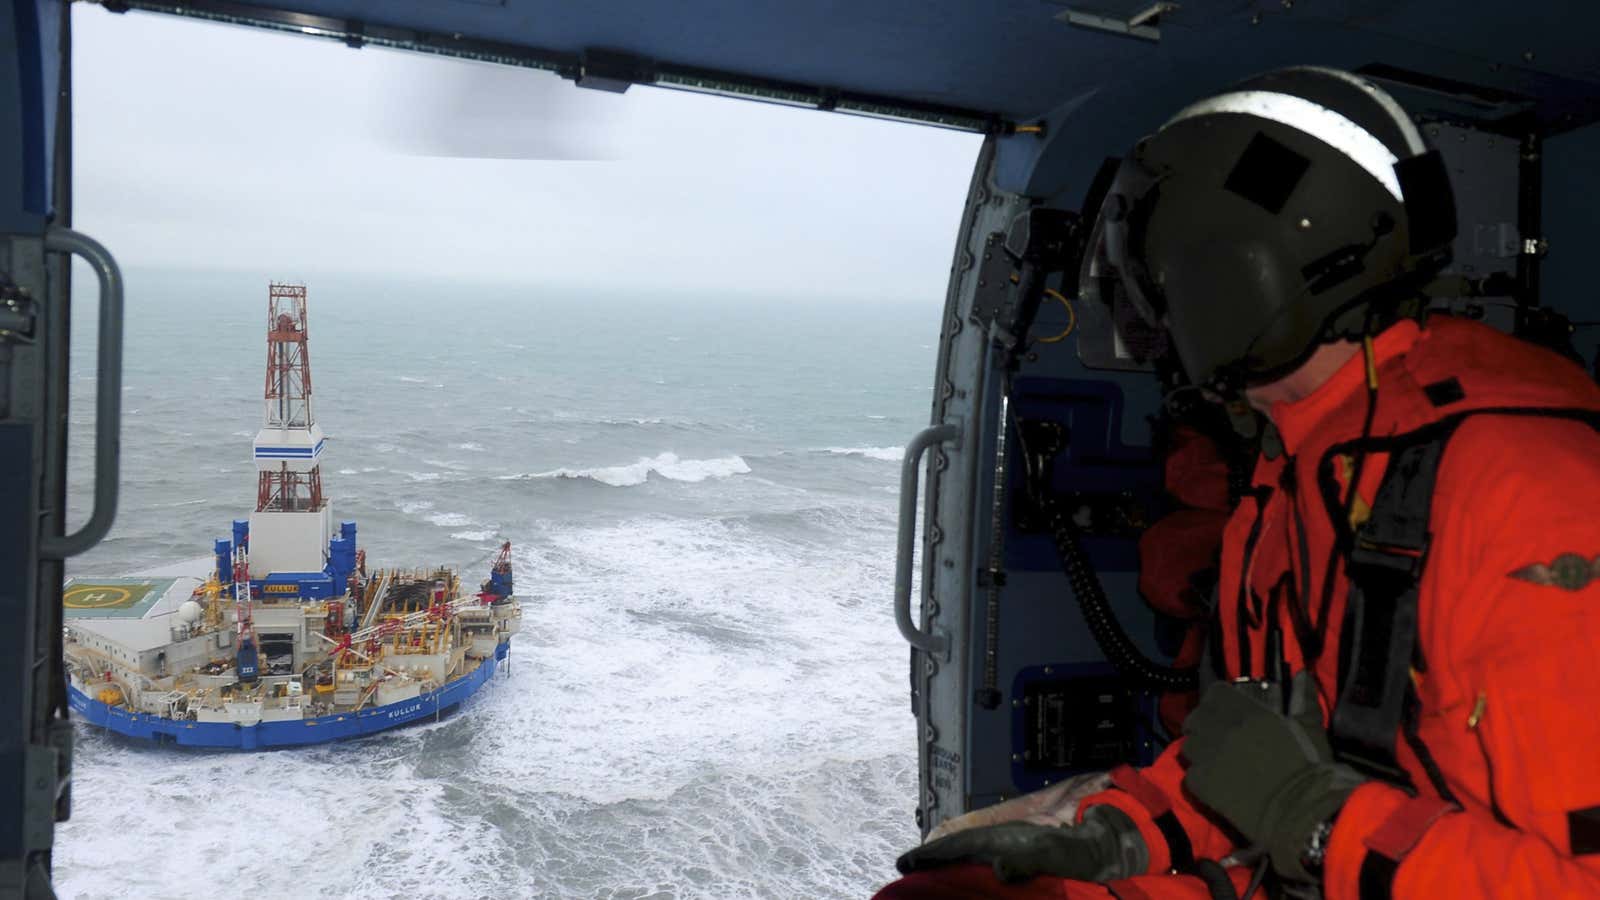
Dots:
pixel 1297 208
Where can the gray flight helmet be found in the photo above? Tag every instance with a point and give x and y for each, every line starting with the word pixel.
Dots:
pixel 1299 207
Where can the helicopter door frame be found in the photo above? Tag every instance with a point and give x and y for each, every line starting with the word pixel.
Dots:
pixel 36 249
pixel 941 654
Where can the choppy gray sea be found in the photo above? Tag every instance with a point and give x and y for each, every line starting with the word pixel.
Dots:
pixel 708 698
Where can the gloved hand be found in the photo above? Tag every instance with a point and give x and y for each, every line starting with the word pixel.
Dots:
pixel 1105 846
pixel 1054 805
pixel 1272 775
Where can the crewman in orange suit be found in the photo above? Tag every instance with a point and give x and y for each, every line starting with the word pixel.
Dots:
pixel 1408 693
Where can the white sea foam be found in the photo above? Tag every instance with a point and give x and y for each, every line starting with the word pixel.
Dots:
pixel 445 464
pixel 449 520
pixel 408 379
pixel 412 507
pixel 646 740
pixel 472 446
pixel 884 454
pixel 562 415
pixel 665 465
pixel 423 476
pixel 697 635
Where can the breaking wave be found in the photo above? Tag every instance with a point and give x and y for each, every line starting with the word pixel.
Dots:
pixel 443 464
pixel 589 418
pixel 665 465
pixel 885 454
pixel 176 503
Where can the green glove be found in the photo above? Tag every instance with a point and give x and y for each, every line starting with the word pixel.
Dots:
pixel 1271 775
pixel 1105 846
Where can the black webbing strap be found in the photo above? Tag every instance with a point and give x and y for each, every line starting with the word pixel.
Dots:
pixel 1376 879
pixel 1216 880
pixel 1179 849
pixel 1384 566
pixel 1380 623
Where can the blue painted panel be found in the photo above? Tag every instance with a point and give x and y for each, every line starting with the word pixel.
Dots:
pixel 1096 462
pixel 1144 741
pixel 303 452
pixel 311 585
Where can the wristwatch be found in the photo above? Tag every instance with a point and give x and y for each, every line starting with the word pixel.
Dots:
pixel 1316 848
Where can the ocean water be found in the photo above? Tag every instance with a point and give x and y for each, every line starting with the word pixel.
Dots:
pixel 708 698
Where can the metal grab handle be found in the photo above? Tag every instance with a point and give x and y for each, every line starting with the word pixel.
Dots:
pixel 935 434
pixel 108 394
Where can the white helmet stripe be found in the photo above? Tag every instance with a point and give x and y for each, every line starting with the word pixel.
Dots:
pixel 1408 128
pixel 1316 120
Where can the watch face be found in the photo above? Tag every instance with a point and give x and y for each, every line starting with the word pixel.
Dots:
pixel 1317 846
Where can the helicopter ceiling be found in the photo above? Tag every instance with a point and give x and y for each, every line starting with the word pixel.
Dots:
pixel 989 65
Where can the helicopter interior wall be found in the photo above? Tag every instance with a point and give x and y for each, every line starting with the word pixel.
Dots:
pixel 1553 85
pixel 1570 280
pixel 1044 702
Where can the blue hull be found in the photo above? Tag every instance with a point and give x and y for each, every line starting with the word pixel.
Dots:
pixel 262 735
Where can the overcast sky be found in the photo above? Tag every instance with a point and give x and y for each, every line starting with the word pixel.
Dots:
pixel 202 145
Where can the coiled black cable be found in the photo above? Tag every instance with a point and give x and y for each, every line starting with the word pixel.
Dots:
pixel 1040 441
pixel 1108 633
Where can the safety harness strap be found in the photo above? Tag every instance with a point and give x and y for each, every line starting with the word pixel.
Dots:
pixel 1155 802
pixel 1388 844
pixel 1380 627
pixel 1378 641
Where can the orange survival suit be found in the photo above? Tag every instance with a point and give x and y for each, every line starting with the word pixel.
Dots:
pixel 1503 758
